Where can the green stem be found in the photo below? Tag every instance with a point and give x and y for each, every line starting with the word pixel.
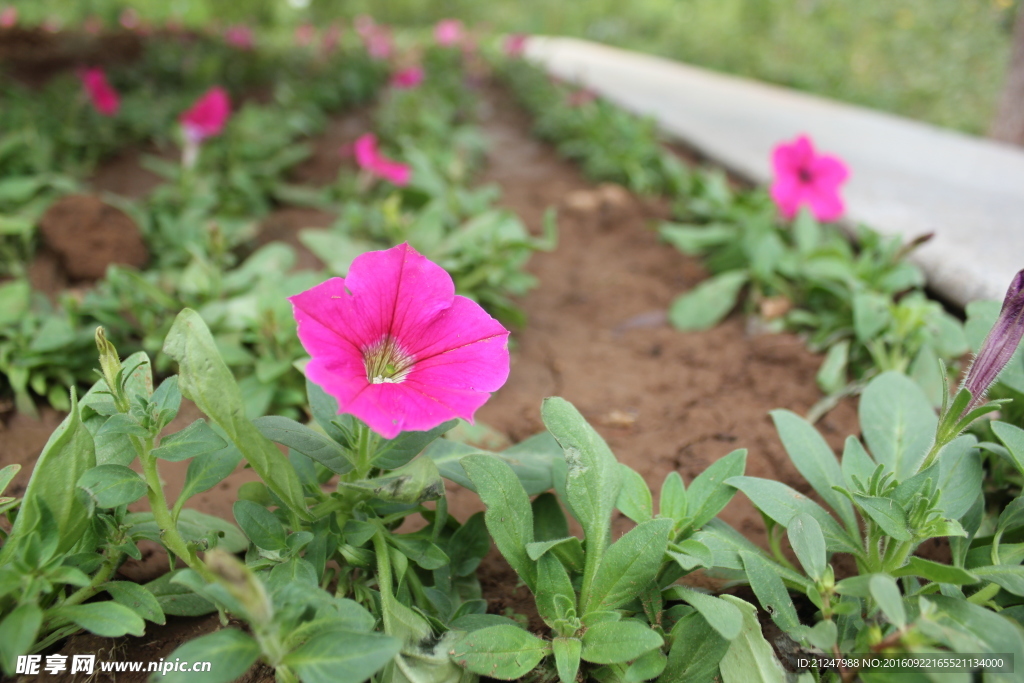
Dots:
pixel 896 555
pixel 106 571
pixel 984 595
pixel 773 542
pixel 169 534
pixel 385 582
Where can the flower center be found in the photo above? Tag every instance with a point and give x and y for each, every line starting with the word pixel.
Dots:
pixel 805 175
pixel 386 362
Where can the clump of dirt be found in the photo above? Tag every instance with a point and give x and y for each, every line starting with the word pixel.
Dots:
pixel 87 235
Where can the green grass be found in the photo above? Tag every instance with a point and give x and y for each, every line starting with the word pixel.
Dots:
pixel 937 60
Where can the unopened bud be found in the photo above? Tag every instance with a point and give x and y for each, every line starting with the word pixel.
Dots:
pixel 243 585
pixel 110 363
pixel 999 345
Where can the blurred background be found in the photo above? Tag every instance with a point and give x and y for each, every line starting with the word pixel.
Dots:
pixel 941 61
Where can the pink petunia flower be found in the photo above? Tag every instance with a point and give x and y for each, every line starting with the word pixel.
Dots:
pixel 580 97
pixel 129 19
pixel 515 44
pixel 8 16
pixel 103 96
pixel 240 36
pixel 377 40
pixel 448 32
pixel 805 178
pixel 207 116
pixel 407 78
pixel 304 34
pixel 364 25
pixel 395 345
pixel 331 39
pixel 369 158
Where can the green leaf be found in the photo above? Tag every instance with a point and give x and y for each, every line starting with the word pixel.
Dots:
pixel 67 455
pixel 871 314
pixel 809 544
pixel 627 567
pixel 230 651
pixel 1013 438
pixel 723 616
pixel 1010 577
pixel 831 375
pixel 176 599
pixel 413 483
pixel 421 551
pixel 549 521
pixel 611 642
pixel 509 516
pixel 708 303
pixel 815 461
pixel 555 594
pixel 107 619
pixel 468 545
pixel 888 598
pixel 502 652
pixel 634 498
pixel 196 439
pixel 406 446
pixel 338 655
pixel 673 502
pixel 205 379
pixel 207 470
pixel 594 479
pixel 569 550
pixel 750 659
pixel 646 667
pixel 770 590
pixel 690 554
pixel 697 239
pixel 567 658
pixel 7 474
pixel 985 625
pixel 781 503
pixel 898 422
pixel 935 571
pixel 697 648
pixel 886 513
pixel 960 476
pixel 857 465
pixel 709 492
pixel 260 525
pixel 18 631
pixel 112 485
pixel 302 439
pixel 137 599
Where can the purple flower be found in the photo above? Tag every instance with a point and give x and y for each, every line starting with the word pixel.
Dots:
pixel 999 345
pixel 396 347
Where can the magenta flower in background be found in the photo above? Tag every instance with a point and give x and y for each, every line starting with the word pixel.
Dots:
pixel 129 19
pixel 240 36
pixel 9 16
pixel 369 158
pixel 102 95
pixel 805 178
pixel 448 32
pixel 207 116
pixel 364 25
pixel 407 78
pixel 396 347
pixel 331 38
pixel 377 40
pixel 304 34
pixel 999 346
pixel 515 44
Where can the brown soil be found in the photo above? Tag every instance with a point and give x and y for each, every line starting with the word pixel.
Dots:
pixel 87 235
pixel 33 55
pixel 597 336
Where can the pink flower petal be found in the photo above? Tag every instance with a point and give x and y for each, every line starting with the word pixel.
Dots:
pixel 208 115
pixel 826 205
pixel 829 171
pixel 456 353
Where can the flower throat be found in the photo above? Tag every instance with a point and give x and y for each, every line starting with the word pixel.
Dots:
pixel 386 362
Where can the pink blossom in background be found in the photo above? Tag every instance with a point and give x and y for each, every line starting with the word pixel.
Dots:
pixel 332 36
pixel 207 116
pixel 407 78
pixel 378 42
pixel 102 95
pixel 240 36
pixel 51 24
pixel 395 345
pixel 364 25
pixel 129 19
pixel 515 44
pixel 448 32
pixel 580 97
pixel 369 158
pixel 304 35
pixel 92 25
pixel 8 16
pixel 805 178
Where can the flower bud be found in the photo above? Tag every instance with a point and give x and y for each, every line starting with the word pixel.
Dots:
pixel 999 345
pixel 110 365
pixel 241 583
